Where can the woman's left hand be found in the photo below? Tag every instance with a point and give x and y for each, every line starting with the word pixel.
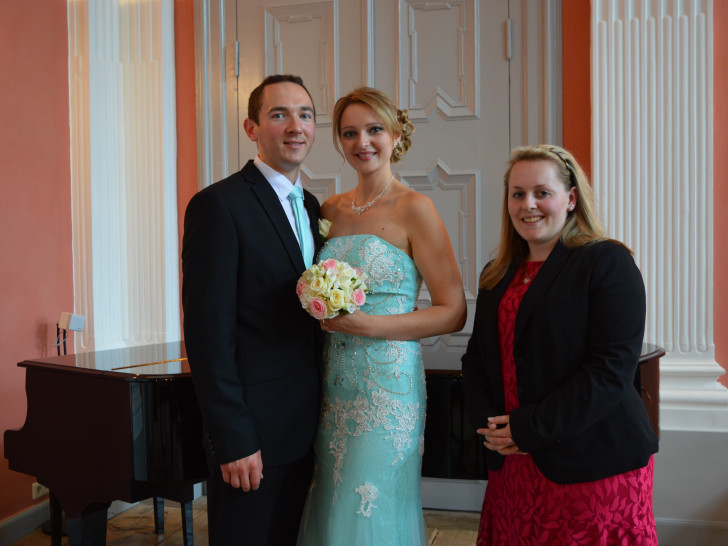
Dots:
pixel 356 324
pixel 498 436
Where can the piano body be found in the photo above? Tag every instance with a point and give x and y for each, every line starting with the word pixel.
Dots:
pixel 111 425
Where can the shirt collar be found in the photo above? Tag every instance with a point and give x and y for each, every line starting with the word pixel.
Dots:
pixel 280 184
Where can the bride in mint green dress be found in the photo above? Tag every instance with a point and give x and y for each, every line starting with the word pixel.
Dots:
pixel 366 484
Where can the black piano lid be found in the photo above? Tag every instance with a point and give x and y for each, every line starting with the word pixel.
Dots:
pixel 146 362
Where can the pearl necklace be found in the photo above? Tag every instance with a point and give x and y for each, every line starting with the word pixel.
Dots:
pixel 364 208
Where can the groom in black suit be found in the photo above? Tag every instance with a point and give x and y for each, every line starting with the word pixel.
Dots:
pixel 253 351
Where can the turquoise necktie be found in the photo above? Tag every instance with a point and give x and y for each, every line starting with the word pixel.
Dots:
pixel 304 231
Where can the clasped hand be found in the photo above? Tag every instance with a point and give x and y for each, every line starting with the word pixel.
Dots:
pixel 356 324
pixel 244 473
pixel 498 436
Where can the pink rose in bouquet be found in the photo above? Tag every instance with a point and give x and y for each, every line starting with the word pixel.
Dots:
pixel 317 308
pixel 358 297
pixel 330 288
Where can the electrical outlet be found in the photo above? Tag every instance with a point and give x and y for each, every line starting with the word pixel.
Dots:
pixel 69 321
pixel 39 490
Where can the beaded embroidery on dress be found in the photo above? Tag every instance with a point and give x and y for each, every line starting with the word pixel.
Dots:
pixel 366 484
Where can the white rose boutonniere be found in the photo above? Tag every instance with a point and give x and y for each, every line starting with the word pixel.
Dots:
pixel 324 228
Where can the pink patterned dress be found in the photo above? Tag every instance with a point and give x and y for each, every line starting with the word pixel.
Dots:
pixel 522 506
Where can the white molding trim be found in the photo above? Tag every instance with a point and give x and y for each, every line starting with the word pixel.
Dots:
pixel 79 107
pixel 535 43
pixel 368 39
pixel 678 532
pixel 24 523
pixel 652 90
pixel 691 398
pixel 216 86
pixel 450 494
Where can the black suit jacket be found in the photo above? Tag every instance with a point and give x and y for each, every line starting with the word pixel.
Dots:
pixel 576 347
pixel 253 351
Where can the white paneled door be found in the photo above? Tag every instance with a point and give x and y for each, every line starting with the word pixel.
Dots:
pixel 445 62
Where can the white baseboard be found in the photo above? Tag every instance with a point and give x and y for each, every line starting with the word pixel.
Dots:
pixel 675 532
pixel 23 523
pixel 459 495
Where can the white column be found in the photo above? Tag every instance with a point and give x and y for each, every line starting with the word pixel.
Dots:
pixel 652 86
pixel 123 163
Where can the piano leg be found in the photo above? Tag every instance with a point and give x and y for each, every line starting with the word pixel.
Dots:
pixel 188 535
pixel 88 529
pixel 158 503
pixel 185 508
pixel 56 520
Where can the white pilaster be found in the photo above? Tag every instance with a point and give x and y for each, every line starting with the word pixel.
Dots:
pixel 652 85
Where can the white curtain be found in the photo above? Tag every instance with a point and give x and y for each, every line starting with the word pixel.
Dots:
pixel 123 171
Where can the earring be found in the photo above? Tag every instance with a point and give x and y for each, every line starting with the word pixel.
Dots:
pixel 570 208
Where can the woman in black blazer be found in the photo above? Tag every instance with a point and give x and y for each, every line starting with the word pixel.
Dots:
pixel 549 370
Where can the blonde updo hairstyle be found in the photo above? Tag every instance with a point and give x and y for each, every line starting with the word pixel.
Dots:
pixel 582 224
pixel 396 122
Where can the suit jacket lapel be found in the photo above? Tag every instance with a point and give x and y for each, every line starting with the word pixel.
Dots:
pixel 540 283
pixel 273 209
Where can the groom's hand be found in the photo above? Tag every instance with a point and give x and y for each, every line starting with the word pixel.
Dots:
pixel 244 473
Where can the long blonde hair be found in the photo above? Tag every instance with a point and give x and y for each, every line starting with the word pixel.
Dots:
pixel 582 225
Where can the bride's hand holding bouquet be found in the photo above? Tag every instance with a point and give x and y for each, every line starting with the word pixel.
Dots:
pixel 331 288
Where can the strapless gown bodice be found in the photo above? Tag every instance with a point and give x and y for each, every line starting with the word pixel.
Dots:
pixel 366 486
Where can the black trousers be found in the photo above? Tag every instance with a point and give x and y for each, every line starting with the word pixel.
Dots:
pixel 269 516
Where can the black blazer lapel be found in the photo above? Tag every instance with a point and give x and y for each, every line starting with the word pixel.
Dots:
pixel 540 284
pixel 272 206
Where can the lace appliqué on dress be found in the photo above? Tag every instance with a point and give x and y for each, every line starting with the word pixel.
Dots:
pixel 369 494
pixel 397 419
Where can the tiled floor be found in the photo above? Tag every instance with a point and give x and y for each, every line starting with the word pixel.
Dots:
pixel 136 527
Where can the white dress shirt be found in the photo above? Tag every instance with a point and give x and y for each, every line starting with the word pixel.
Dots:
pixel 282 186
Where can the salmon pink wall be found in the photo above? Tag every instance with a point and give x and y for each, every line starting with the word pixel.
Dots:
pixel 36 277
pixel 576 20
pixel 36 271
pixel 576 80
pixel 184 47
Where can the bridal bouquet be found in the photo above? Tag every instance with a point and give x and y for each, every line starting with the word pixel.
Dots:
pixel 330 288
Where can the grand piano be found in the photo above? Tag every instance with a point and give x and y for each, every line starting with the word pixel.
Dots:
pixel 110 425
